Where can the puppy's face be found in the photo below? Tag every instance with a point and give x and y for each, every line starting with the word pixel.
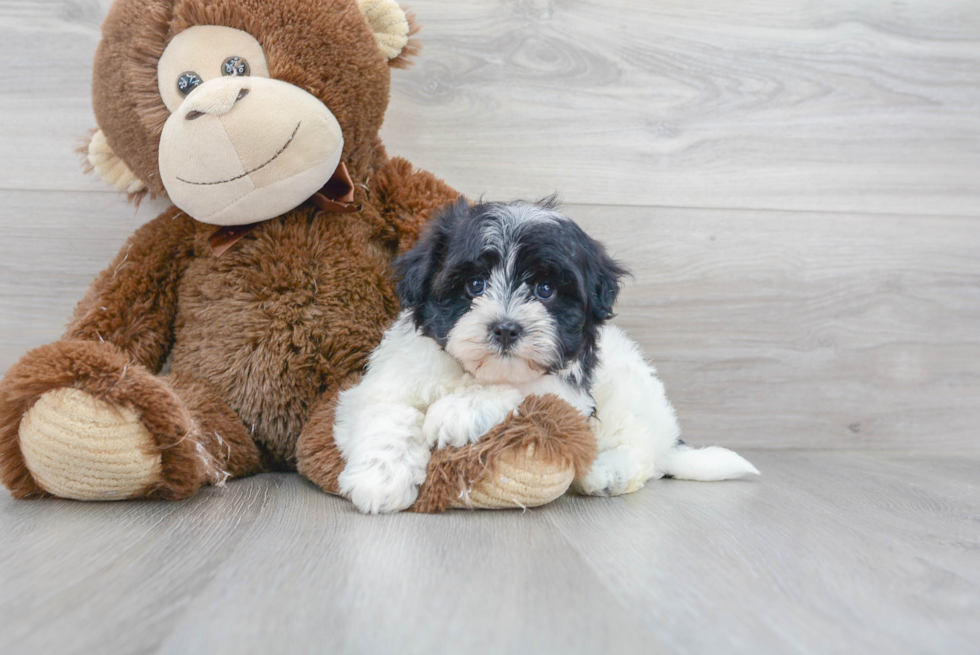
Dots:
pixel 512 291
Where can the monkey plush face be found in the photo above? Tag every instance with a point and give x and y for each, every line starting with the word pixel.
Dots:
pixel 239 146
pixel 240 110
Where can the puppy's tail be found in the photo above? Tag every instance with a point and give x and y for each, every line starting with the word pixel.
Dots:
pixel 706 464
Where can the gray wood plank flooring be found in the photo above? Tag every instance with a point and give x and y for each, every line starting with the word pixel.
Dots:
pixel 834 106
pixel 827 552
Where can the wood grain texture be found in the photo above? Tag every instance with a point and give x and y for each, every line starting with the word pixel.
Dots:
pixel 840 106
pixel 804 330
pixel 819 542
pixel 776 329
pixel 47 47
pixel 53 246
pixel 828 552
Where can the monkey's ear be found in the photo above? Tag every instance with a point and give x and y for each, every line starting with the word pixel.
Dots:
pixel 392 28
pixel 111 168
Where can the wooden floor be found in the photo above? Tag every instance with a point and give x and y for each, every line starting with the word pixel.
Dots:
pixel 796 188
pixel 829 552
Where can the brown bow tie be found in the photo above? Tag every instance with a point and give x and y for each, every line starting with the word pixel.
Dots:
pixel 337 195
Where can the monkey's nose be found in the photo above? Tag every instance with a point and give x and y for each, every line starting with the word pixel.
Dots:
pixel 215 98
pixel 506 333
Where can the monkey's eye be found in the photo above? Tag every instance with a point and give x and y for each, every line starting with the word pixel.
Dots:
pixel 544 291
pixel 187 82
pixel 235 66
pixel 476 287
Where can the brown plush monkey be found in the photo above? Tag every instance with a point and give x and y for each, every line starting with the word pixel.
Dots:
pixel 267 284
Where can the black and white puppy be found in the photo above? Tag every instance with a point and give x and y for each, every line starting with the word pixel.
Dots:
pixel 502 301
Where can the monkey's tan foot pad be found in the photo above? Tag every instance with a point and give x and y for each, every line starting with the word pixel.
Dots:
pixel 77 446
pixel 518 480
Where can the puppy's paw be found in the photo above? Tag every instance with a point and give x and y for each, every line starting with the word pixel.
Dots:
pixel 462 418
pixel 379 487
pixel 450 422
pixel 614 472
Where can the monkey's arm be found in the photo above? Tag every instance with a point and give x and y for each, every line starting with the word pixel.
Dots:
pixel 407 197
pixel 132 303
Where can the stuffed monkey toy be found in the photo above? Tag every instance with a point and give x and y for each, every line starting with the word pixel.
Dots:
pixel 266 285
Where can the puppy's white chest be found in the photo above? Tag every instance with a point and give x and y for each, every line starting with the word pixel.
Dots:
pixel 574 396
pixel 577 397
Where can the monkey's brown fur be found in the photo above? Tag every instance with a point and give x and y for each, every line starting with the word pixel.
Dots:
pixel 263 338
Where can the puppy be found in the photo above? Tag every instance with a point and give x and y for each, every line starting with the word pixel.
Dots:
pixel 502 301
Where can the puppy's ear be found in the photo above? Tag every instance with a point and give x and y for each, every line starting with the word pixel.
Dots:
pixel 603 277
pixel 419 266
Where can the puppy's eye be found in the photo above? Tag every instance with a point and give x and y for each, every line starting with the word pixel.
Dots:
pixel 544 291
pixel 235 66
pixel 187 82
pixel 476 287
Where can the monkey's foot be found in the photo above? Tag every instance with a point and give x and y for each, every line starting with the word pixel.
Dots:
pixel 518 480
pixel 77 446
pixel 78 420
pixel 528 460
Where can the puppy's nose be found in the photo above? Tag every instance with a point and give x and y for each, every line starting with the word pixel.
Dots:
pixel 506 333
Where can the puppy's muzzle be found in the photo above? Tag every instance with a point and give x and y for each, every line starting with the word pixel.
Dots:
pixel 506 333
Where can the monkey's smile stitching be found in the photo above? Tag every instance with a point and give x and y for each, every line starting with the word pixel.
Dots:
pixel 238 177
